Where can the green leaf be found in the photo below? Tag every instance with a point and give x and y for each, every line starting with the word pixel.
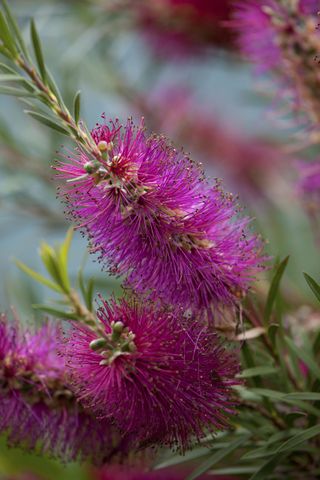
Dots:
pixel 273 330
pixel 50 260
pixel 316 344
pixel 178 459
pixel 283 397
pixel 313 285
pixel 54 87
pixel 218 456
pixel 15 92
pixel 38 277
pixel 76 106
pixel 10 78
pixel 55 312
pixel 15 29
pixel 299 439
pixel 311 396
pixel 6 36
pixel 266 468
pixel 89 294
pixel 47 121
pixel 38 51
pixel 274 287
pixel 257 371
pixel 63 254
pixel 305 357
pixel 265 392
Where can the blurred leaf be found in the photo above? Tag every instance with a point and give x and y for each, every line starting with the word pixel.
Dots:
pixel 38 277
pixel 178 459
pixel 273 291
pixel 38 51
pixel 16 92
pixel 299 439
pixel 303 396
pixel 50 261
pixel 272 332
pixel 15 28
pixel 218 456
pixel 268 467
pixel 313 285
pixel 6 36
pixel 257 371
pixel 63 255
pixel 55 312
pixel 47 121
pixel 304 356
pixel 76 106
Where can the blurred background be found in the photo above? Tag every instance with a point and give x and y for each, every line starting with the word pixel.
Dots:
pixel 174 62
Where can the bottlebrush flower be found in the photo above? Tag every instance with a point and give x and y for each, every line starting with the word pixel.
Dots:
pixel 149 211
pixel 282 38
pixel 166 383
pixel 180 27
pixel 38 410
pixel 259 31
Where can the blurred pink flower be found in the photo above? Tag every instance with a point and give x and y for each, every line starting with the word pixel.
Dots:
pixel 176 27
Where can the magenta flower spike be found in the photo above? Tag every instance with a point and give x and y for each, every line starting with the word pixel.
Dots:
pixel 153 217
pixel 38 410
pixel 167 383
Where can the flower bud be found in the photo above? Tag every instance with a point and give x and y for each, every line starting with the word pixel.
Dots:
pixel 98 343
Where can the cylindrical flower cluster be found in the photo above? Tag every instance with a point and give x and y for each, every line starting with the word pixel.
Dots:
pixel 38 409
pixel 153 217
pixel 282 38
pixel 152 374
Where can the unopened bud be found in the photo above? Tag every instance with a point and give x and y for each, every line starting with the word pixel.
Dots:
pixel 105 146
pixel 91 167
pixel 98 343
pixel 117 329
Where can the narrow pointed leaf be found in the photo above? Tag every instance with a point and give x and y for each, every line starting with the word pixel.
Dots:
pixel 63 258
pixel 48 122
pixel 305 356
pixel 76 106
pixel 38 277
pixel 15 29
pixel 217 457
pixel 15 92
pixel 313 285
pixel 38 51
pixel 274 290
pixel 257 371
pixel 266 468
pixel 299 438
pixel 6 36
pixel 55 312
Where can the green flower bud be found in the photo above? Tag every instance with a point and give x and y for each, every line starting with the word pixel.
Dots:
pixel 98 343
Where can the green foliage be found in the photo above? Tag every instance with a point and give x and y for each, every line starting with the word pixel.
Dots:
pixel 55 261
pixel 313 285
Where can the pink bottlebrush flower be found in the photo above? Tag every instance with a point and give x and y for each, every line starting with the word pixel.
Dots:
pixel 282 38
pixel 149 211
pixel 167 383
pixel 180 27
pixel 38 410
pixel 258 33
